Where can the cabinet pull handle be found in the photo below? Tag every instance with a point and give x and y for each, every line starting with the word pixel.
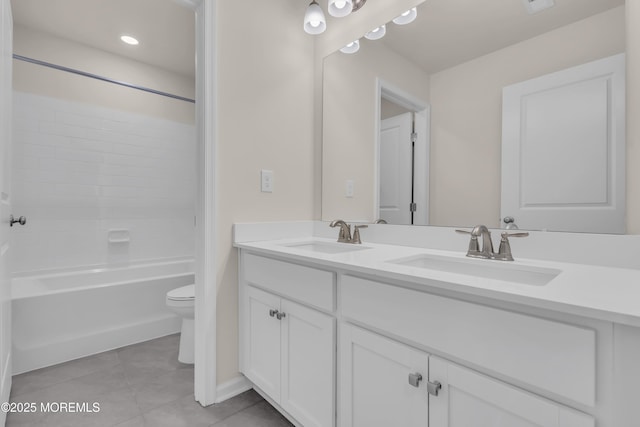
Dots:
pixel 273 313
pixel 414 379
pixel 433 387
pixel 280 315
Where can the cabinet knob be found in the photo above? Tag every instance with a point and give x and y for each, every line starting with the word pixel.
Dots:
pixel 280 315
pixel 433 387
pixel 273 313
pixel 414 379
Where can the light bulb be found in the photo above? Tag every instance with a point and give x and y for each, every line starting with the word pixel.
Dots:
pixel 314 21
pixel 407 17
pixel 340 8
pixel 377 33
pixel 352 47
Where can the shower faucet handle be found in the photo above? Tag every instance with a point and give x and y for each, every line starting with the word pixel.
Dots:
pixel 22 220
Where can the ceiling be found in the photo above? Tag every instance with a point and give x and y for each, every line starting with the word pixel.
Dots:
pixel 165 29
pixel 450 32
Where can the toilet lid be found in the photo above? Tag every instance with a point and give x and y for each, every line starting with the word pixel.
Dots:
pixel 183 293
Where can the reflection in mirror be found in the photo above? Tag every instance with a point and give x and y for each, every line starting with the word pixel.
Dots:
pixel 455 59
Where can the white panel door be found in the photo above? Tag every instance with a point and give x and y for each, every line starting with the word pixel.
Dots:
pixel 307 365
pixel 471 399
pixel 5 200
pixel 563 149
pixel 374 381
pixel 395 169
pixel 262 352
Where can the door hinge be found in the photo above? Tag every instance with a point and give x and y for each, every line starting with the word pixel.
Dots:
pixel 413 207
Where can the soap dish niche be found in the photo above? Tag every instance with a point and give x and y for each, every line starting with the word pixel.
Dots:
pixel 118 236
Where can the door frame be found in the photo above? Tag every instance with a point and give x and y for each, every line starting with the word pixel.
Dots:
pixel 422 110
pixel 205 381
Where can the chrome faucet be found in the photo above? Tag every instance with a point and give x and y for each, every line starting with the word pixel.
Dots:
pixel 344 236
pixel 504 251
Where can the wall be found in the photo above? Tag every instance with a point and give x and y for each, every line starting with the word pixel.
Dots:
pixel 633 111
pixel 80 170
pixel 350 118
pixel 467 109
pixel 90 156
pixel 265 121
pixel 46 81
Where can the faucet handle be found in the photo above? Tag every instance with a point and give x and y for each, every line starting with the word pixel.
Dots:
pixel 356 233
pixel 473 243
pixel 504 251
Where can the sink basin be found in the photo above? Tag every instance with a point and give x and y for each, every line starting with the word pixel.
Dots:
pixel 326 247
pixel 488 269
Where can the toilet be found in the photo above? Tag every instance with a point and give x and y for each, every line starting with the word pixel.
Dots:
pixel 182 302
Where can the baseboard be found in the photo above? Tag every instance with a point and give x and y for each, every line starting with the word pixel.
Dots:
pixel 231 388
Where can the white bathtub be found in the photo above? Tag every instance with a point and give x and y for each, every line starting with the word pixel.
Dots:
pixel 64 316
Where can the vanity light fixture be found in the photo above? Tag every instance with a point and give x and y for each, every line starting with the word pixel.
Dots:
pixel 406 18
pixel 377 33
pixel 129 40
pixel 340 8
pixel 535 6
pixel 352 47
pixel 314 21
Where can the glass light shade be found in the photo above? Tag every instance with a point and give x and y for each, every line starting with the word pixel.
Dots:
pixel 406 18
pixel 377 33
pixel 352 47
pixel 340 8
pixel 314 22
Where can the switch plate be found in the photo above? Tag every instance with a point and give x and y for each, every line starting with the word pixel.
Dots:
pixel 349 188
pixel 266 181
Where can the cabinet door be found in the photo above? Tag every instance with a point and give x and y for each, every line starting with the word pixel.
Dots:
pixel 374 381
pixel 308 353
pixel 471 399
pixel 262 352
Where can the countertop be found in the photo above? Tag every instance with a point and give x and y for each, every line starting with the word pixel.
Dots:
pixel 604 293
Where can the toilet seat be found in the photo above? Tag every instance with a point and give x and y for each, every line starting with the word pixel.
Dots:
pixel 184 293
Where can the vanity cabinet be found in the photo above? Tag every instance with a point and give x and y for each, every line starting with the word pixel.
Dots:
pixel 331 347
pixel 384 382
pixel 289 350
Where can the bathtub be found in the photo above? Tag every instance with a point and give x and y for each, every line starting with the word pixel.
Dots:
pixel 63 316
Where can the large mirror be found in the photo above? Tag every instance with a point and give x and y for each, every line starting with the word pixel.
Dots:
pixel 444 77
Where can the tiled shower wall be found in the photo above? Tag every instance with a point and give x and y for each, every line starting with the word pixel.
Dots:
pixel 81 170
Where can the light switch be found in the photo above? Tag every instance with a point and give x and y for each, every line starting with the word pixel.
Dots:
pixel 348 190
pixel 266 180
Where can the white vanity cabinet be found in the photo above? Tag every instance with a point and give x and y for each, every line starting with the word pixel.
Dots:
pixel 288 348
pixel 342 347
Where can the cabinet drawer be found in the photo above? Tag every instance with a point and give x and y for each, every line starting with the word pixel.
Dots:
pixel 304 284
pixel 549 355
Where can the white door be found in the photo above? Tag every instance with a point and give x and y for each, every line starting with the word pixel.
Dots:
pixel 374 381
pixel 471 399
pixel 307 365
pixel 5 200
pixel 262 355
pixel 395 169
pixel 563 149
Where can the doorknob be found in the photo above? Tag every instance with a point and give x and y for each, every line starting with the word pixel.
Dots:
pixel 22 220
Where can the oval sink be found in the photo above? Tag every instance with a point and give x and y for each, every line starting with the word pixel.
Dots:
pixel 488 269
pixel 326 247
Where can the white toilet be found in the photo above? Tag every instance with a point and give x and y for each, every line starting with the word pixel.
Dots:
pixel 182 302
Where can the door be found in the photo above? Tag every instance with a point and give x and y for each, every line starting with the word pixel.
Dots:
pixel 307 365
pixel 5 200
pixel 563 149
pixel 396 169
pixel 262 353
pixel 374 381
pixel 471 399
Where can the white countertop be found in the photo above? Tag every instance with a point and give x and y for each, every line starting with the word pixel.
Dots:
pixel 605 293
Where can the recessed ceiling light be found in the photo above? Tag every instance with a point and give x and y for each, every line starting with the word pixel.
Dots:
pixel 129 40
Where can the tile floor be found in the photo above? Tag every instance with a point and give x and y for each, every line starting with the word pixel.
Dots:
pixel 139 385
